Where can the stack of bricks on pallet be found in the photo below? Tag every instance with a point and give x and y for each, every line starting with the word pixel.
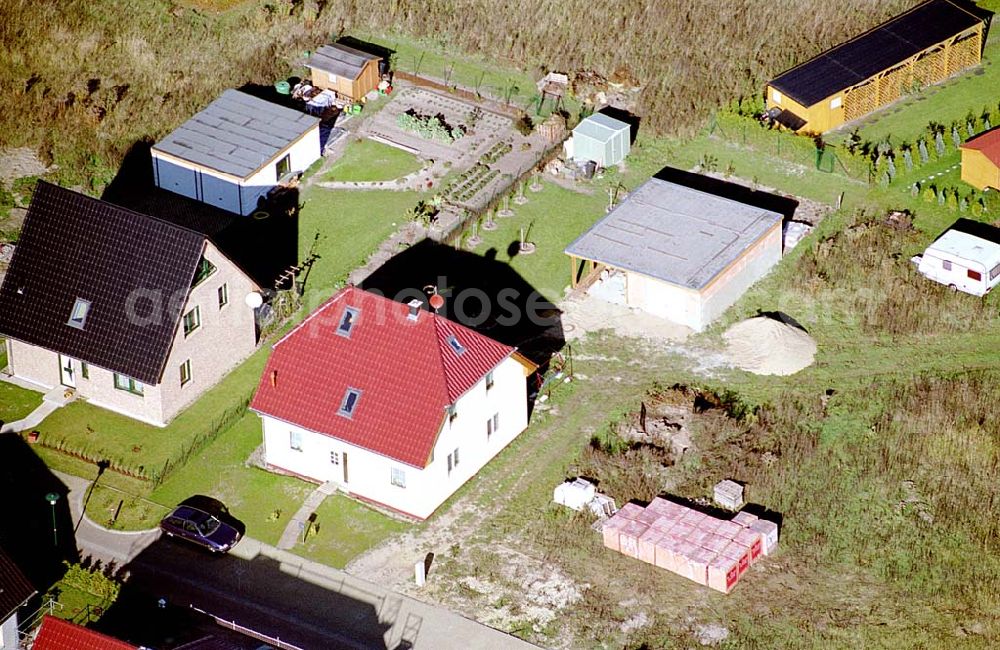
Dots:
pixel 710 551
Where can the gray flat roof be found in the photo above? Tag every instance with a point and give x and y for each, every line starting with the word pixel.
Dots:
pixel 600 127
pixel 341 60
pixel 236 134
pixel 674 233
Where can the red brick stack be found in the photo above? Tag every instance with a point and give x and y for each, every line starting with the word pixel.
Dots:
pixel 710 551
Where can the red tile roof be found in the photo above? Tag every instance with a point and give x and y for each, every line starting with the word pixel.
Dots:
pixel 57 634
pixel 406 371
pixel 988 143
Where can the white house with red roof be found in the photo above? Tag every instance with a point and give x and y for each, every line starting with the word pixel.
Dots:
pixel 393 403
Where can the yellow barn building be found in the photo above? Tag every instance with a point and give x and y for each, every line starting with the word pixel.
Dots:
pixel 981 160
pixel 927 44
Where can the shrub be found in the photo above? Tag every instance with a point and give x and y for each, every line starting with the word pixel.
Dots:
pixel 524 125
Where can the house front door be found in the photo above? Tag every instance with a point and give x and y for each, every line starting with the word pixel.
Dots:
pixel 67 371
pixel 344 463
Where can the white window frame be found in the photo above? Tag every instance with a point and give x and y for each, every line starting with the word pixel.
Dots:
pixel 129 385
pixel 332 77
pixel 344 410
pixel 836 102
pixel 490 380
pixel 346 325
pixel 295 440
pixel 776 95
pixel 397 477
pixel 185 373
pixel 223 294
pixel 335 458
pixel 78 316
pixel 196 311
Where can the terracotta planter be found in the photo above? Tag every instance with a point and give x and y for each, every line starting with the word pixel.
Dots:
pixel 33 437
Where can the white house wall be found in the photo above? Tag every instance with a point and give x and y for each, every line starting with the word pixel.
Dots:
pixel 697 309
pixel 369 474
pixel 733 282
pixel 669 301
pixel 8 633
pixel 227 192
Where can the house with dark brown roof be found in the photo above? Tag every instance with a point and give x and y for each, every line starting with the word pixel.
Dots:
pixel 391 402
pixel 132 313
pixel 15 591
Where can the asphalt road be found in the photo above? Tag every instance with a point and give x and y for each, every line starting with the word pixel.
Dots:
pixel 256 594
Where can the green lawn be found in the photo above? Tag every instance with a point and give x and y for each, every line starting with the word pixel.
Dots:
pixel 350 224
pixel 368 160
pixel 263 501
pixel 120 510
pixel 16 402
pixel 77 605
pixel 428 57
pixel 555 217
pixel 951 100
pixel 346 528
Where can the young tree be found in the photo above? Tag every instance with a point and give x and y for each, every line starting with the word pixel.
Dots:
pixel 939 144
pixel 922 148
pixel 956 137
pixel 908 159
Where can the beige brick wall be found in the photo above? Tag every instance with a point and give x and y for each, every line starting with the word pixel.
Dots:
pixel 226 337
pixel 41 366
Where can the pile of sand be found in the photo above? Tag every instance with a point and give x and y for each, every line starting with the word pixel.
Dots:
pixel 767 346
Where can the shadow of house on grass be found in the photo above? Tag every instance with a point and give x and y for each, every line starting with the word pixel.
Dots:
pixel 479 291
pixel 783 205
pixel 35 534
pixel 264 247
pixel 269 598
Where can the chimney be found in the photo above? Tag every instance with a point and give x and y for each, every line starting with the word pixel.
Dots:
pixel 414 306
pixel 274 378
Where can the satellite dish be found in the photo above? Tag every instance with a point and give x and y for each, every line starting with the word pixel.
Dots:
pixel 436 301
pixel 254 300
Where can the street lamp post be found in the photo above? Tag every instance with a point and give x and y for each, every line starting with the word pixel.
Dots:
pixel 53 498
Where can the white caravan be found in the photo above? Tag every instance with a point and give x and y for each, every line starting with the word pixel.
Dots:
pixel 962 261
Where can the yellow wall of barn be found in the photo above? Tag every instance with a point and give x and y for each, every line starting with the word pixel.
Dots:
pixel 979 171
pixel 824 116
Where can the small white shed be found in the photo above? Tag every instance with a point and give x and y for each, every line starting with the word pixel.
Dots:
pixel 962 260
pixel 235 151
pixel 600 138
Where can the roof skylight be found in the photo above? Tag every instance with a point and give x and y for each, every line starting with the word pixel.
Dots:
pixel 349 403
pixel 347 321
pixel 78 317
pixel 456 347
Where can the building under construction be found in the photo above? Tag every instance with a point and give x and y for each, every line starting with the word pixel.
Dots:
pixel 923 46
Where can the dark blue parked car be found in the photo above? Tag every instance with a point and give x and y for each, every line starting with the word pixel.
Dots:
pixel 207 530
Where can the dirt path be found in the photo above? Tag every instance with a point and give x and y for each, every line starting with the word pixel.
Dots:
pixel 556 432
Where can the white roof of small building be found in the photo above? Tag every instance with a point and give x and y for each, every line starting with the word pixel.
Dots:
pixel 962 245
pixel 236 134
pixel 674 233
pixel 600 127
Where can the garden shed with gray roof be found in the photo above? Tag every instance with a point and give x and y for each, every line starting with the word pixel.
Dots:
pixel 235 151
pixel 678 252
